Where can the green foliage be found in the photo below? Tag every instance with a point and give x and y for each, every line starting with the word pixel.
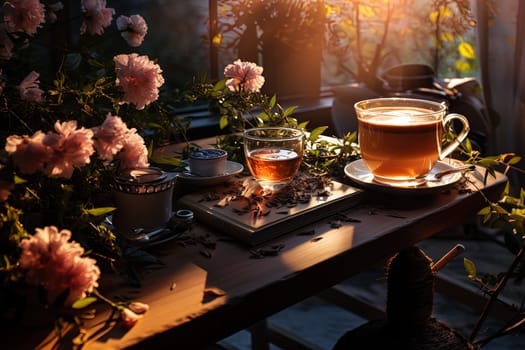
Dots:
pixel 84 302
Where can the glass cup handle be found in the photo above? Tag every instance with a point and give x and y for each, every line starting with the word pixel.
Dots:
pixel 459 138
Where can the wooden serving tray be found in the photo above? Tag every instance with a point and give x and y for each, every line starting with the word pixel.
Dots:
pixel 240 208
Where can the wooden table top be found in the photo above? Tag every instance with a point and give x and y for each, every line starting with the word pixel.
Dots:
pixel 197 299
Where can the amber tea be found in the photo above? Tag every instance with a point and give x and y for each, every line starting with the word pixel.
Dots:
pixel 273 155
pixel 396 145
pixel 401 139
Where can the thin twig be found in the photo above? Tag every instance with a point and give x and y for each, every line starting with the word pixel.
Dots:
pixel 494 295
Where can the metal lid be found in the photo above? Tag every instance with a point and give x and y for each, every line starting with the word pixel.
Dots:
pixel 143 181
pixel 140 176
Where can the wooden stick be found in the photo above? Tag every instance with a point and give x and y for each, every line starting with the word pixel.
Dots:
pixel 451 254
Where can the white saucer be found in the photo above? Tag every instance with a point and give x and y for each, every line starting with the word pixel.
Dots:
pixel 358 172
pixel 231 169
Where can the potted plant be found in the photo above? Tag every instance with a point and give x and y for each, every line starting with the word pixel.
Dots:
pixel 285 36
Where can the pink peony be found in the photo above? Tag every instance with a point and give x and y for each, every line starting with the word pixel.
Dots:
pixel 29 154
pixel 134 153
pixel 110 137
pixel 29 89
pixel 56 264
pixel 24 15
pixel 133 29
pixel 244 76
pixel 139 78
pixel 72 148
pixel 6 44
pixel 96 16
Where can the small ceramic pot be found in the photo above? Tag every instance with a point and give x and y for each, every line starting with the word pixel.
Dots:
pixel 143 198
pixel 208 162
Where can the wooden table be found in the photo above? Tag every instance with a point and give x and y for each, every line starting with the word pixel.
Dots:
pixel 197 299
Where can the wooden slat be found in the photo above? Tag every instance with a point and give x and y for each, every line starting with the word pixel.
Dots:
pixel 339 296
pixel 288 340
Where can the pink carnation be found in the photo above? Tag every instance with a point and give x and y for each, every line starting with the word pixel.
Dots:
pixel 110 137
pixel 139 78
pixel 24 15
pixel 96 16
pixel 29 154
pixel 72 149
pixel 244 76
pixel 134 153
pixel 133 29
pixel 29 89
pixel 58 265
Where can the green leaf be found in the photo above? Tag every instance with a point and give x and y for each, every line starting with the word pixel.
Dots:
pixel 273 101
pixel 514 160
pixel 99 211
pixel 18 180
pixel 303 125
pixel 289 111
pixel 484 211
pixel 219 85
pixel 263 117
pixel 468 146
pixel 84 302
pixel 223 122
pixel 168 161
pixel 470 267
pixel 315 133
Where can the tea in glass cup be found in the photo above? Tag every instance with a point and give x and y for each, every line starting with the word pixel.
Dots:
pixel 401 139
pixel 273 155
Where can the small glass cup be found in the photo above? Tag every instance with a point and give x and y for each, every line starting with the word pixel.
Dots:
pixel 273 155
pixel 401 139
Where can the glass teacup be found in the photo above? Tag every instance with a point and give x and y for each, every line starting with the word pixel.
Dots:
pixel 401 139
pixel 273 155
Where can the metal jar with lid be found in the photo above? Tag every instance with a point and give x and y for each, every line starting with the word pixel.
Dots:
pixel 143 198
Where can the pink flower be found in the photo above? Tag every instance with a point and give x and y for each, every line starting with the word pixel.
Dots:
pixel 244 76
pixel 56 264
pixel 133 29
pixel 138 307
pixel 29 154
pixel 134 153
pixel 72 149
pixel 96 16
pixel 110 137
pixel 132 313
pixel 24 15
pixel 6 44
pixel 129 318
pixel 29 89
pixel 139 78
